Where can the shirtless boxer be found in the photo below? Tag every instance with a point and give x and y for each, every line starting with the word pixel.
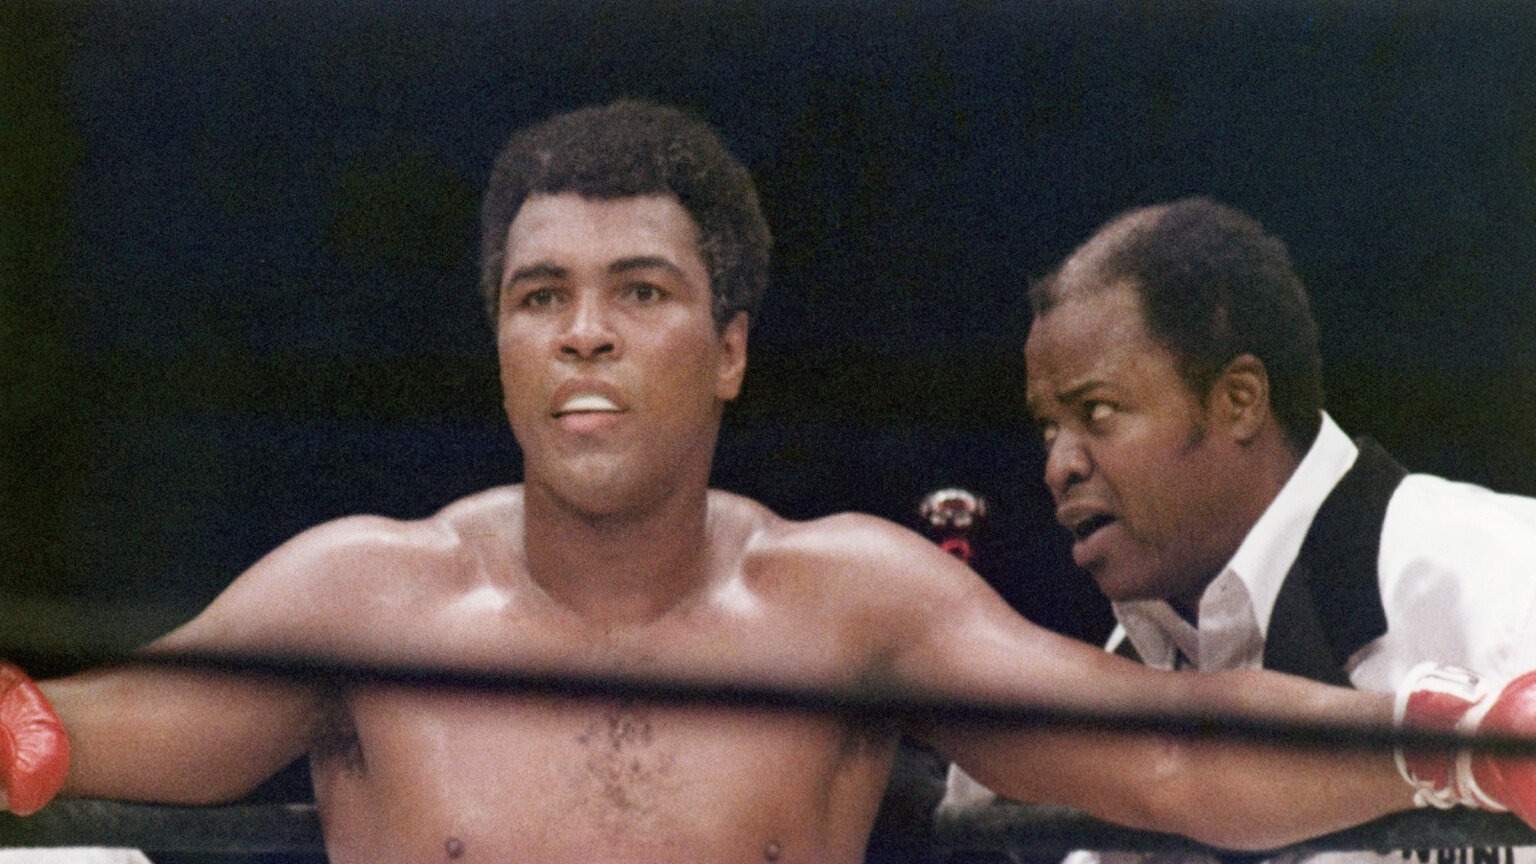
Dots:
pixel 621 304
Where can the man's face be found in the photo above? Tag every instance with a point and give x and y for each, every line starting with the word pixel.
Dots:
pixel 1139 474
pixel 613 371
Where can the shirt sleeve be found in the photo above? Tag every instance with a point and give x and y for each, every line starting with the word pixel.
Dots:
pixel 1458 581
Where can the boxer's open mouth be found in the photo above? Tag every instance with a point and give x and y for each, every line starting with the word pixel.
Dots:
pixel 586 403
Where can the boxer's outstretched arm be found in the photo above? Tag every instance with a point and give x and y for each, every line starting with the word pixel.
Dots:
pixel 195 736
pixel 954 636
pixel 1226 792
pixel 177 736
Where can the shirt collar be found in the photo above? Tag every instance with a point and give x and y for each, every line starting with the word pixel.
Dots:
pixel 1270 548
pixel 1260 564
pixel 1159 634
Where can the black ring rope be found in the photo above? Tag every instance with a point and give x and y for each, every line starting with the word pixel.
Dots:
pixel 235 829
pixel 870 702
pixel 1025 830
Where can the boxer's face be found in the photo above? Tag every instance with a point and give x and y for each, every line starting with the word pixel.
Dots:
pixel 612 368
pixel 1139 472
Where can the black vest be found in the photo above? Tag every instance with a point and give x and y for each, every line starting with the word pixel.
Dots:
pixel 1329 605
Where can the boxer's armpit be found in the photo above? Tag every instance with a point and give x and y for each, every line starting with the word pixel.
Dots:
pixel 336 738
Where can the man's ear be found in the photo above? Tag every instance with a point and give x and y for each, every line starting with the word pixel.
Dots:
pixel 1241 396
pixel 732 366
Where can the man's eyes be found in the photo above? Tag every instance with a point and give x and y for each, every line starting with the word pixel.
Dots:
pixel 1088 414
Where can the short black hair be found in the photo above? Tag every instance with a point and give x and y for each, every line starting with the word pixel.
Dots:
pixel 632 148
pixel 1214 285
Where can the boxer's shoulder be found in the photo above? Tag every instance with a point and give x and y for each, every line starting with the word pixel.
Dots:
pixel 362 584
pixel 458 533
pixel 852 538
pixel 367 547
pixel 498 509
pixel 847 549
pixel 365 558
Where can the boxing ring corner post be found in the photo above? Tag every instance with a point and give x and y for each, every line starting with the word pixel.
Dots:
pixel 1024 830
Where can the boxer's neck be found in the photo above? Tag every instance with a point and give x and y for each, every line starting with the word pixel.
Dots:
pixel 620 570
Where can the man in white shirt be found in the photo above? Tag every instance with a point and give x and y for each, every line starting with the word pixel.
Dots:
pixel 1174 373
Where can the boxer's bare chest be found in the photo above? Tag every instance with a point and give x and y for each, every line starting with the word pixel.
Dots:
pixel 426 774
pixel 537 778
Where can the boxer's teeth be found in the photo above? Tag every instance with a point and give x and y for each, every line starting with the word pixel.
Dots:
pixel 587 402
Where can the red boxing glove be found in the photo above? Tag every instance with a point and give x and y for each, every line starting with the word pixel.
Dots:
pixel 34 751
pixel 1446 699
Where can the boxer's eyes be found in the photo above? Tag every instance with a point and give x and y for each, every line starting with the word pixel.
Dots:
pixel 645 292
pixel 540 298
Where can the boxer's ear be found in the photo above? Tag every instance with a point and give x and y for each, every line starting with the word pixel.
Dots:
pixel 1240 397
pixel 732 366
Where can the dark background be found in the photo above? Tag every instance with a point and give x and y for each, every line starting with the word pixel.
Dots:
pixel 239 250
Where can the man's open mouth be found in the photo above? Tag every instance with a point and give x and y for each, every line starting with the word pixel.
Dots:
pixel 1084 529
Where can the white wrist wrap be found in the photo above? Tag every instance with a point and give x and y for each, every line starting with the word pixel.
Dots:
pixel 1458 687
